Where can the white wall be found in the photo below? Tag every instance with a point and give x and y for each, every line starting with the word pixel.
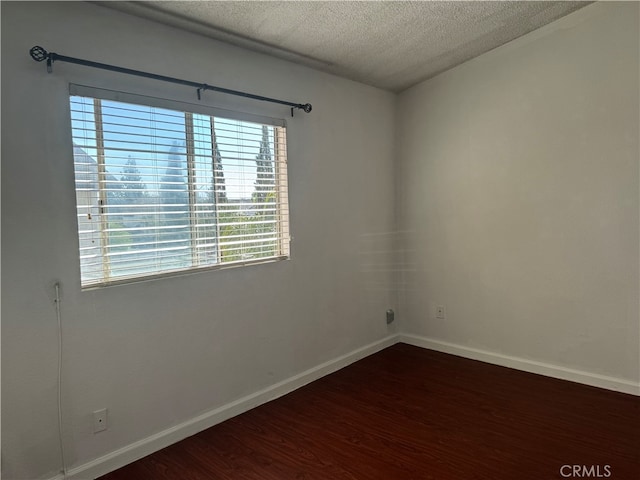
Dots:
pixel 161 352
pixel 518 180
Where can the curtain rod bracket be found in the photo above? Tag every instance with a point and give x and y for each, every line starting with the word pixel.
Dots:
pixel 39 54
pixel 201 89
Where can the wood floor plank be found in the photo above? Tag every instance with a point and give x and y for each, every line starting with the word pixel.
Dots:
pixel 409 413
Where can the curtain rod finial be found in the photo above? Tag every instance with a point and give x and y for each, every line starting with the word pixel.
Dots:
pixel 38 53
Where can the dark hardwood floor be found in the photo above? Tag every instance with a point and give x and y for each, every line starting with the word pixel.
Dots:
pixel 409 413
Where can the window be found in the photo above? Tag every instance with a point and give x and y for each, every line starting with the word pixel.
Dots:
pixel 163 186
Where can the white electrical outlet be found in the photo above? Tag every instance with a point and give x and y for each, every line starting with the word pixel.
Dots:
pixel 99 420
pixel 440 313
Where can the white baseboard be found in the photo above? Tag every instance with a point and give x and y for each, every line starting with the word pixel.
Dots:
pixel 531 366
pixel 146 446
pixel 135 451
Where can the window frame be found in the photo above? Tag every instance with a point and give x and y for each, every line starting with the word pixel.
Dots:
pixel 280 166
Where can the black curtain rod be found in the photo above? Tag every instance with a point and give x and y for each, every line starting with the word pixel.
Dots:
pixel 39 54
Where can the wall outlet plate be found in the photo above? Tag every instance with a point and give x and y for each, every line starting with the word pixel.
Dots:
pixel 99 420
pixel 391 316
pixel 440 312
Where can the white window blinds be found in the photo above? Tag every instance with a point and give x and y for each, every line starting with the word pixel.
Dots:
pixel 162 188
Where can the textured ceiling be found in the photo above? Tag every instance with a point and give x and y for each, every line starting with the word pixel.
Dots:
pixel 388 44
